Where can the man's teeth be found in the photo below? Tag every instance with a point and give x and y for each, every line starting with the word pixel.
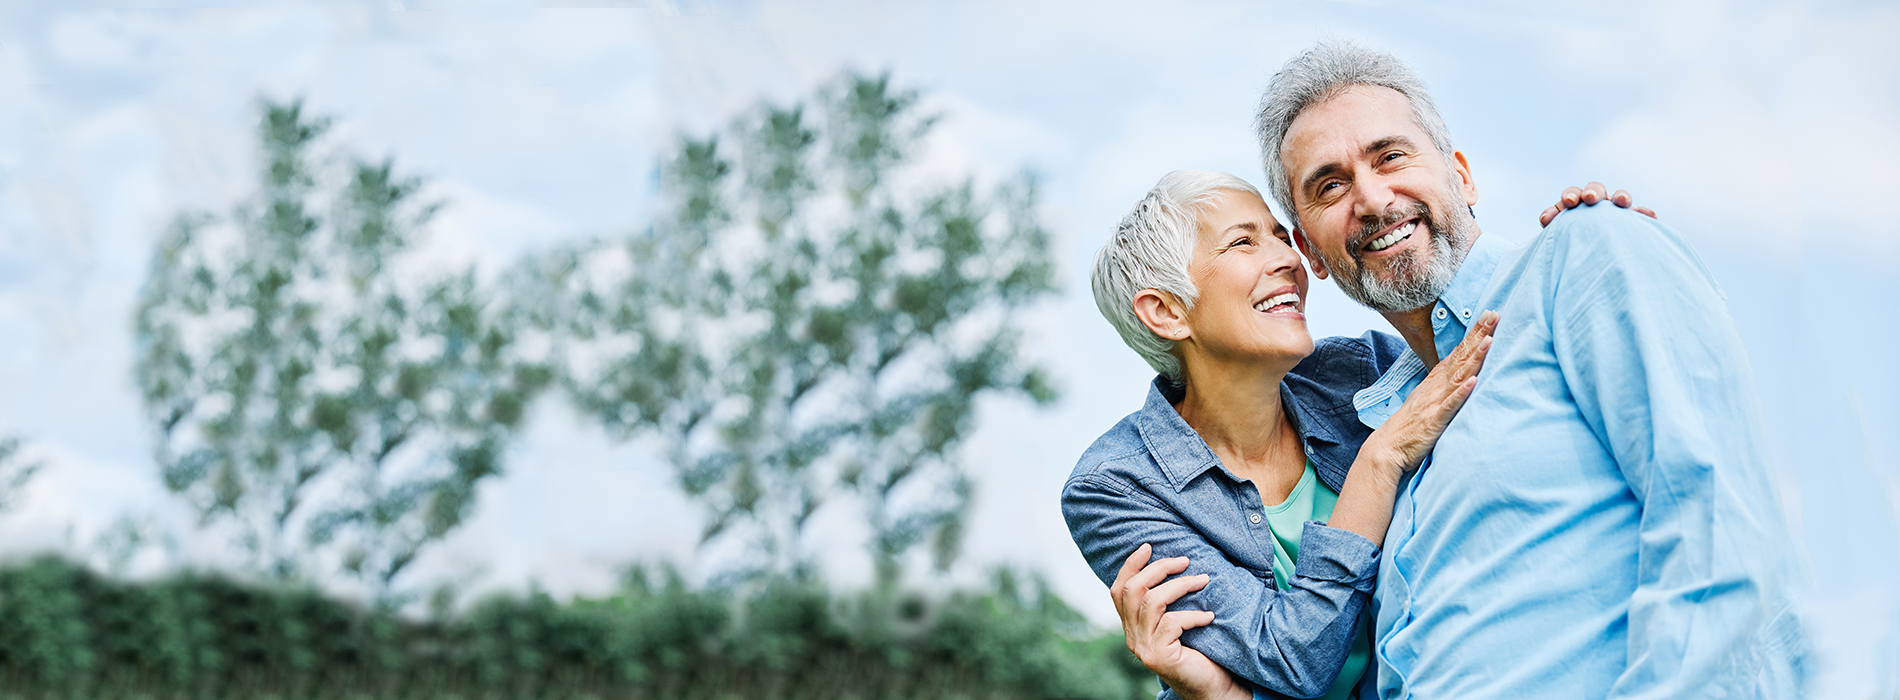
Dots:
pixel 1289 299
pixel 1397 234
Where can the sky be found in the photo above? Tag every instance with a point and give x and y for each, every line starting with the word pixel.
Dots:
pixel 1764 132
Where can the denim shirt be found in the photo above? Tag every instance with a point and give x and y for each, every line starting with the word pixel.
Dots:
pixel 1151 479
pixel 1599 520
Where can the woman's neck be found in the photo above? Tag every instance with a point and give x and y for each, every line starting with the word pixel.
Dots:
pixel 1238 412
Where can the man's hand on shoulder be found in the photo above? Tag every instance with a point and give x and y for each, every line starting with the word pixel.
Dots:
pixel 1154 634
pixel 1590 194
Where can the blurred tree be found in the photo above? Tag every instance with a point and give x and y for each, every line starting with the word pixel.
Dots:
pixel 807 320
pixel 315 386
pixel 15 471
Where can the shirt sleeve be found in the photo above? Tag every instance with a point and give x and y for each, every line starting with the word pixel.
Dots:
pixel 1291 642
pixel 1657 370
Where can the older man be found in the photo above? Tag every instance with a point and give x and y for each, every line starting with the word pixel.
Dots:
pixel 1599 521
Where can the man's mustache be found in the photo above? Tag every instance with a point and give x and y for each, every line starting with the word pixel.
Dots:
pixel 1370 227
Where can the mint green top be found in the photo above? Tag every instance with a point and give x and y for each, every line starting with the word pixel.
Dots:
pixel 1312 499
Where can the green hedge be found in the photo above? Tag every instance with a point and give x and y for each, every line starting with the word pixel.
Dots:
pixel 66 632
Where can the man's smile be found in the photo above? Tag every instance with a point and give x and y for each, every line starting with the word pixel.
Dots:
pixel 1399 232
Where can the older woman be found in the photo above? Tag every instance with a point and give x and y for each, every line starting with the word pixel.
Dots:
pixel 1247 469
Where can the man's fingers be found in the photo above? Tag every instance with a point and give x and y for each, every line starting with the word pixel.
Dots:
pixel 1136 587
pixel 1186 620
pixel 1172 590
pixel 1136 560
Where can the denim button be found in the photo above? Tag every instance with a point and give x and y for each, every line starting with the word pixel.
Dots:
pixel 1440 313
pixel 1253 518
pixel 1466 313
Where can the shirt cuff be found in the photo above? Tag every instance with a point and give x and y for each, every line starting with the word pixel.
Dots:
pixel 1332 554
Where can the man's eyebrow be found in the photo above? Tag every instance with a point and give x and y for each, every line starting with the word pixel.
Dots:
pixel 1330 169
pixel 1388 142
pixel 1278 228
pixel 1318 174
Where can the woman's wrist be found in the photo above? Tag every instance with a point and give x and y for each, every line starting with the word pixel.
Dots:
pixel 1382 460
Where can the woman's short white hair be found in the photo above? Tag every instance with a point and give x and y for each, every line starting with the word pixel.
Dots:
pixel 1151 250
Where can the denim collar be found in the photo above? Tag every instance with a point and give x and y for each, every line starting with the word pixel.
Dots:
pixel 1181 452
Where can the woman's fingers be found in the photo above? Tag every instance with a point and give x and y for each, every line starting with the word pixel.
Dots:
pixel 1594 192
pixel 1571 196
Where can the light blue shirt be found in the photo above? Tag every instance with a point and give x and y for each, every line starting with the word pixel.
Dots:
pixel 1599 520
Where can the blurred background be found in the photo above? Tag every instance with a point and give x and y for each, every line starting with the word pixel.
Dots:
pixel 420 303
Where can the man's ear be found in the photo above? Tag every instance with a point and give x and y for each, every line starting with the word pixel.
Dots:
pixel 1306 248
pixel 1465 183
pixel 1162 313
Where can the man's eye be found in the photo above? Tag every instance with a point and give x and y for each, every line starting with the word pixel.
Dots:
pixel 1328 187
pixel 1395 155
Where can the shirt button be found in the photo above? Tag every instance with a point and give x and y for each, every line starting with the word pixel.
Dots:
pixel 1466 313
pixel 1440 313
pixel 1253 518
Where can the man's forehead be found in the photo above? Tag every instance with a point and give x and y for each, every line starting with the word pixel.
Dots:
pixel 1351 120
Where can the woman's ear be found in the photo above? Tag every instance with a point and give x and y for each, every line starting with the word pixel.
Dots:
pixel 1162 313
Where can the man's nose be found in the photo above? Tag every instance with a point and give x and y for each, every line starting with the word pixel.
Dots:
pixel 1373 196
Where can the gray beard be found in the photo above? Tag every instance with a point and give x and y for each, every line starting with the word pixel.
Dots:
pixel 1409 284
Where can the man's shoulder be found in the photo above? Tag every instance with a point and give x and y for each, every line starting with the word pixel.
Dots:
pixel 1607 236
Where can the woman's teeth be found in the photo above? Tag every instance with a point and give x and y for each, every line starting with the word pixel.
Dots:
pixel 1289 300
pixel 1388 240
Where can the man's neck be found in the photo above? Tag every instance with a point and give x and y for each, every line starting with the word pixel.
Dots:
pixel 1415 327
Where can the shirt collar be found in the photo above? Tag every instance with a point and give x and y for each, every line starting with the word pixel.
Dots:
pixel 1451 315
pixel 1459 304
pixel 1180 451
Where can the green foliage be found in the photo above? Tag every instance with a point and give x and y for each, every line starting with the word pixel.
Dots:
pixel 72 634
pixel 15 471
pixel 805 327
pixel 316 389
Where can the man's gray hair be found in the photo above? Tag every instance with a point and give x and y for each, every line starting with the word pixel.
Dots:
pixel 1320 74
pixel 1151 250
